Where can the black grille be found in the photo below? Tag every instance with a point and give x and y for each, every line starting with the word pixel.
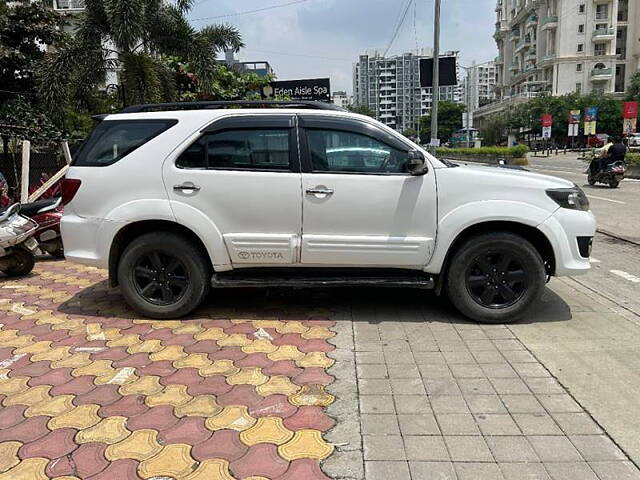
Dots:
pixel 584 245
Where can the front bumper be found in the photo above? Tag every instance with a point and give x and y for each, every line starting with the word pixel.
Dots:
pixel 565 230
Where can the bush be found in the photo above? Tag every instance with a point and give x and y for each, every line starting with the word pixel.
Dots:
pixel 633 159
pixel 508 152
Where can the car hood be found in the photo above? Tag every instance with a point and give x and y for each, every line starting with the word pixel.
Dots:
pixel 515 176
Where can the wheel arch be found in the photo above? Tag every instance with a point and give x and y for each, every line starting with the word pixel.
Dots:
pixel 134 230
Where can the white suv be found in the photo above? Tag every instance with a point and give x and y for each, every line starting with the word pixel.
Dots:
pixel 174 199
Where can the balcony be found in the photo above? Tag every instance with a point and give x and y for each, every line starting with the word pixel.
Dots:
pixel 602 34
pixel 523 44
pixel 550 57
pixel 531 56
pixel 68 5
pixel 549 23
pixel 532 21
pixel 499 60
pixel 515 68
pixel 514 35
pixel 601 74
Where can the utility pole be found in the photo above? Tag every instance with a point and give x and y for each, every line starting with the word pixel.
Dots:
pixel 435 97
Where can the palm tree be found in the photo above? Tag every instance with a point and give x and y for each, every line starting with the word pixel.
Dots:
pixel 134 37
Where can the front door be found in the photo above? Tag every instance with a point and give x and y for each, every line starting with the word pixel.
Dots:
pixel 360 205
pixel 243 175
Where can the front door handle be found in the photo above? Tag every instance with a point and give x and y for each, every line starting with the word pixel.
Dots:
pixel 187 186
pixel 319 191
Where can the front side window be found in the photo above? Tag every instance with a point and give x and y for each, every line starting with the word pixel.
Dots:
pixel 254 149
pixel 112 140
pixel 348 152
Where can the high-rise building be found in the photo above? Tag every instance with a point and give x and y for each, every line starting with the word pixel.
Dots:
pixel 390 86
pixel 479 85
pixel 341 99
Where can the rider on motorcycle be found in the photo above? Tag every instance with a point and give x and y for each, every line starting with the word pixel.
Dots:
pixel 614 152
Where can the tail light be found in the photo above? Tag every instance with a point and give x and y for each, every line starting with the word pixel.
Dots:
pixel 70 187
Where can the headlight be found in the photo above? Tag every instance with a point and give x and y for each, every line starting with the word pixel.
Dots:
pixel 572 198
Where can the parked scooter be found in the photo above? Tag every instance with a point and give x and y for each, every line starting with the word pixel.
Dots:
pixel 47 214
pixel 612 175
pixel 17 245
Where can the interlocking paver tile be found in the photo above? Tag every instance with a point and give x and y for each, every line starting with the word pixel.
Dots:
pixel 53 445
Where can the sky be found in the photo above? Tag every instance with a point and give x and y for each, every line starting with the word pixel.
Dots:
pixel 323 38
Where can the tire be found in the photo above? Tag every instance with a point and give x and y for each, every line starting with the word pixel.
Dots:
pixel 614 183
pixel 23 262
pixel 467 283
pixel 591 179
pixel 148 288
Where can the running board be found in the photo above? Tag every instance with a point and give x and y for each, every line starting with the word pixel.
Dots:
pixel 238 279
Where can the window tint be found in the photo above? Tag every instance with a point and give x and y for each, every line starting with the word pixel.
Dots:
pixel 239 149
pixel 340 151
pixel 113 140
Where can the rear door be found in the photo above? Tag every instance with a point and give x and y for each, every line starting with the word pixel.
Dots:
pixel 361 208
pixel 243 173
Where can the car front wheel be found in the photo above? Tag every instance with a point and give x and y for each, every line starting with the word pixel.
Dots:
pixel 495 278
pixel 163 275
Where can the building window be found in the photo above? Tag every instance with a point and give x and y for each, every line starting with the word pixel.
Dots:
pixel 581 28
pixel 579 67
pixel 582 8
pixel 600 49
pixel 580 47
pixel 602 11
pixel 578 88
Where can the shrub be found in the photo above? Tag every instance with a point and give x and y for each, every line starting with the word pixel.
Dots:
pixel 509 152
pixel 633 159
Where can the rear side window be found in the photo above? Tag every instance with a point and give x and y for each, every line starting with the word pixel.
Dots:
pixel 113 140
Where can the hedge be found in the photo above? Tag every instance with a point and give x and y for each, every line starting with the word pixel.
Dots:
pixel 633 159
pixel 508 152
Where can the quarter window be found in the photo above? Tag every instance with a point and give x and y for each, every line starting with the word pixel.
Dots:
pixel 341 151
pixel 258 149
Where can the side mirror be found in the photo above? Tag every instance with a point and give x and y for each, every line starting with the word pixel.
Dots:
pixel 417 164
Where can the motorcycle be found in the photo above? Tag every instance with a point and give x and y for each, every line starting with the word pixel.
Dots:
pixel 17 245
pixel 612 175
pixel 47 214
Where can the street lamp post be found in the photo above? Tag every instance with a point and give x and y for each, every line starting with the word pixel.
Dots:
pixel 435 93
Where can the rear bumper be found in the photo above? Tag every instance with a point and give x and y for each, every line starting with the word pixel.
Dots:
pixel 83 241
pixel 566 230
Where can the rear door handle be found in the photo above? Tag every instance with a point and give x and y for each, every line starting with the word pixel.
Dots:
pixel 319 191
pixel 187 186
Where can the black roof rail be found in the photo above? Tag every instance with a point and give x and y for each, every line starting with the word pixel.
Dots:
pixel 163 107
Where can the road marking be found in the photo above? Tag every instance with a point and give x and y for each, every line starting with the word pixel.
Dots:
pixel 626 276
pixel 594 260
pixel 606 199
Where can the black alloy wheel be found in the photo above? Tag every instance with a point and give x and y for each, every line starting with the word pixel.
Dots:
pixel 496 279
pixel 161 278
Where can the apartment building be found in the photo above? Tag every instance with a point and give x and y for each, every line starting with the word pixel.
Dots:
pixel 390 86
pixel 565 46
pixel 479 85
pixel 341 99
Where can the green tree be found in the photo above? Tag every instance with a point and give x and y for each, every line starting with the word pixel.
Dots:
pixel 633 91
pixel 136 37
pixel 449 120
pixel 362 110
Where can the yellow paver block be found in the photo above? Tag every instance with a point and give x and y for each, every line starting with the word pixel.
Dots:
pixel 97 368
pixel 312 395
pixel 213 469
pixel 267 324
pixel 234 340
pixel 13 385
pixel 266 430
pixel 248 376
pixel 260 346
pixel 315 359
pixel 306 444
pixel 148 346
pixel 124 341
pixel 121 376
pixel 53 355
pixel 214 333
pixel 285 352
pixel 70 324
pixel 291 327
pixel 200 406
pixel 9 455
pixel 172 461
pixel 171 353
pixel 31 396
pixel 219 367
pixel 147 385
pixel 75 360
pixel 38 347
pixel 140 445
pixel 29 469
pixel 188 329
pixel 232 418
pixel 193 360
pixel 84 416
pixel 12 339
pixel 51 407
pixel 172 395
pixel 318 332
pixel 159 324
pixel 110 430
pixel 278 384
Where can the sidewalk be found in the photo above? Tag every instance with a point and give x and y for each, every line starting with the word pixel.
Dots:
pixel 423 395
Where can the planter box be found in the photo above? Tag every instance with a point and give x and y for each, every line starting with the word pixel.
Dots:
pixel 633 172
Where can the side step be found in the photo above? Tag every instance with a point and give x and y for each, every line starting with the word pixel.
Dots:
pixel 300 278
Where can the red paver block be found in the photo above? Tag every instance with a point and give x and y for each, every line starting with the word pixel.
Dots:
pixel 54 336
pixel 184 340
pixel 306 469
pixel 245 328
pixel 114 354
pixel 273 406
pixel 223 444
pixel 290 339
pixel 24 367
pixel 136 360
pixel 261 460
pixel 77 386
pixel 309 417
pixel 228 353
pixel 161 334
pixel 205 346
pixel 53 445
pixel 156 418
pixel 60 467
pixel 126 469
pixel 26 431
pixel 240 395
pixel 127 406
pixel 313 376
pixel 216 385
pixel 101 395
pixel 317 345
pixel 189 430
pixel 56 376
pixel 163 368
pixel 259 360
pixel 283 367
pixel 89 459
pixel 10 416
pixel 183 376
pixel 37 331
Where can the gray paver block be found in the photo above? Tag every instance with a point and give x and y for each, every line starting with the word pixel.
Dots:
pixel 509 386
pixel 412 404
pixel 383 447
pixel 615 470
pixel 466 370
pixel 459 357
pixel 544 386
pixel 377 404
pixel 429 358
pixel 424 424
pixel 442 386
pixel 570 471
pixel 554 449
pixel 595 448
pixel 374 386
pixel 488 357
pixel 497 424
pixel 561 403
pixel 449 404
pixel 457 424
pixel 468 449
pixel 399 357
pixel 478 471
pixel 485 404
pixel 432 471
pixel 426 448
pixel 344 464
pixel 380 425
pixel 498 370
pixel 407 386
pixel 530 370
pixel 403 371
pixel 387 471
pixel 522 404
pixel 577 424
pixel 524 471
pixel 511 449
pixel 536 424
pixel 367 370
pixel 369 357
pixel 431 370
pixel 475 386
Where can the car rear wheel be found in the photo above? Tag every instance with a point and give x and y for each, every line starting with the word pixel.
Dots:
pixel 495 278
pixel 163 275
